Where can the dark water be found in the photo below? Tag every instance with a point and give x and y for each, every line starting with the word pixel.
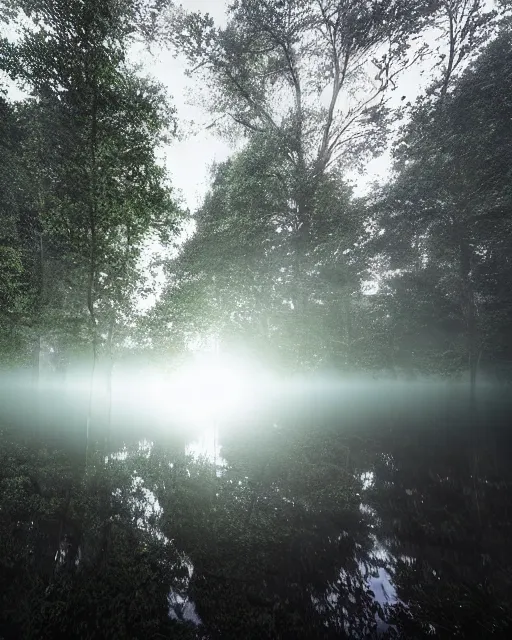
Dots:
pixel 354 512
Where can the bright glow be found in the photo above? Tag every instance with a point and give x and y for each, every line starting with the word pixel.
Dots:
pixel 209 389
pixel 207 446
pixel 205 390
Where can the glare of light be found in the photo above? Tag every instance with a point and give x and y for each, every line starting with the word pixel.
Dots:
pixel 210 389
pixel 205 390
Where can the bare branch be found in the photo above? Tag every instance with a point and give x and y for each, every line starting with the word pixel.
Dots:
pixel 245 123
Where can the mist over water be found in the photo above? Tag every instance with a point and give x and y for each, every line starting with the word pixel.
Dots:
pixel 326 499
pixel 150 402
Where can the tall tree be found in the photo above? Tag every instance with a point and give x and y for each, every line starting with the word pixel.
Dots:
pixel 298 72
pixel 85 193
pixel 445 215
pixel 236 276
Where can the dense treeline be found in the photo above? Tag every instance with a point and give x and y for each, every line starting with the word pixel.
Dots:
pixel 81 188
pixel 283 250
pixel 286 264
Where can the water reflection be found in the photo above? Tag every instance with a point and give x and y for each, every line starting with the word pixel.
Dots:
pixel 182 609
pixel 281 495
pixel 292 528
pixel 379 579
pixel 147 512
pixel 207 444
pixel 267 475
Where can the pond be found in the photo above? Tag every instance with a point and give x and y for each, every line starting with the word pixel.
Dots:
pixel 354 515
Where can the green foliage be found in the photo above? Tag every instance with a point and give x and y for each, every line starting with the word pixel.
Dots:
pixel 238 275
pixel 84 191
pixel 445 218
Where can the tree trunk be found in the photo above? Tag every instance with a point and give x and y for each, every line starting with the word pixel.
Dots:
pixel 36 371
pixel 470 313
pixel 301 244
pixel 36 349
pixel 92 263
pixel 348 329
pixel 36 362
pixel 108 386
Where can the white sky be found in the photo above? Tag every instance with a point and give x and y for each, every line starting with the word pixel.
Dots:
pixel 189 159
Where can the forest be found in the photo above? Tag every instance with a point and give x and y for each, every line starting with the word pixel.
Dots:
pixel 283 413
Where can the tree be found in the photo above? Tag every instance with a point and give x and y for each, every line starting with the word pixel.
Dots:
pixel 236 276
pixel 465 26
pixel 99 190
pixel 269 72
pixel 445 213
pixel 84 193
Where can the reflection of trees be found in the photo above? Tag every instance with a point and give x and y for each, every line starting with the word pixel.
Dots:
pixel 274 544
pixel 277 540
pixel 444 520
pixel 74 565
